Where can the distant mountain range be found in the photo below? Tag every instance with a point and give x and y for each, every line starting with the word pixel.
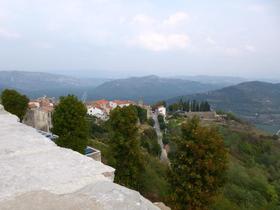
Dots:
pixel 258 102
pixel 36 84
pixel 149 88
pixel 221 81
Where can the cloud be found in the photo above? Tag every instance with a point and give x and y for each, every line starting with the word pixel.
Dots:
pixel 143 19
pixel 43 45
pixel 157 34
pixel 259 8
pixel 176 19
pixel 7 34
pixel 250 48
pixel 211 41
pixel 232 51
pixel 161 42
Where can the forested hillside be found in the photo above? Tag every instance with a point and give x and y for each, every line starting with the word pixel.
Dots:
pixel 253 180
pixel 148 88
pixel 258 102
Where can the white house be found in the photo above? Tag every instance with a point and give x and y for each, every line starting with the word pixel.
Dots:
pixel 119 103
pixel 97 112
pixel 161 110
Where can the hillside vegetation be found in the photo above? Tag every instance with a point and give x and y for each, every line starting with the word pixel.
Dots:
pixel 148 88
pixel 258 102
pixel 253 176
pixel 253 172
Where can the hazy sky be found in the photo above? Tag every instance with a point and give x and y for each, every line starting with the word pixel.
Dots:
pixel 129 37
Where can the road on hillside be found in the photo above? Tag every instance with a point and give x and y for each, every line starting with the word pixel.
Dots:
pixel 163 155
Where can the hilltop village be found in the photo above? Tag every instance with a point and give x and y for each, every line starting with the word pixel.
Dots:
pixel 40 110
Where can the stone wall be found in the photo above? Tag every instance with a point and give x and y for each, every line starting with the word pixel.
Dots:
pixel 38 119
pixel 37 174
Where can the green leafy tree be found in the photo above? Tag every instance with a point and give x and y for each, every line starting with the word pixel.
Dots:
pixel 15 103
pixel 198 166
pixel 161 122
pixel 125 147
pixel 142 114
pixel 70 124
pixel 149 141
pixel 151 122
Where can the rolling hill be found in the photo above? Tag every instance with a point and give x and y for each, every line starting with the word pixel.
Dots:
pixel 149 88
pixel 258 102
pixel 221 81
pixel 36 84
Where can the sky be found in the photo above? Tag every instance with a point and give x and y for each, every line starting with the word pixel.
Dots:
pixel 119 38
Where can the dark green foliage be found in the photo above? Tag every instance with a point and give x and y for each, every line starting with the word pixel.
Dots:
pixel 154 179
pixel 149 141
pixel 15 103
pixel 154 185
pixel 69 123
pixel 125 147
pixel 188 106
pixel 165 139
pixel 245 100
pixel 161 122
pixel 253 175
pixel 151 122
pixel 104 147
pixel 98 128
pixel 142 114
pixel 198 167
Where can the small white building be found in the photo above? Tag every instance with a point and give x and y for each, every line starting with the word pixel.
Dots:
pixel 119 103
pixel 97 112
pixel 161 110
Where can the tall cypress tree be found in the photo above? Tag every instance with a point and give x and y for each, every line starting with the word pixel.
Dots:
pixel 69 123
pixel 125 147
pixel 198 167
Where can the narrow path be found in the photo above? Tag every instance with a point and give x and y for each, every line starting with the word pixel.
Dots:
pixel 278 133
pixel 163 156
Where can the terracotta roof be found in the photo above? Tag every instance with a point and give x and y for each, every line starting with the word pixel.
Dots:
pixel 103 101
pixel 119 102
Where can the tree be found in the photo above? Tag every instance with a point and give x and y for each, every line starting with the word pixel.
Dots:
pixel 149 141
pixel 125 147
pixel 15 103
pixel 151 122
pixel 70 124
pixel 161 122
pixel 198 166
pixel 141 113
